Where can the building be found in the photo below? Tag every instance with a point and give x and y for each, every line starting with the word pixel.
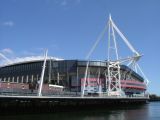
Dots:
pixel 25 75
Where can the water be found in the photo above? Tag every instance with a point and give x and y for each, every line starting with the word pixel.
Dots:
pixel 149 111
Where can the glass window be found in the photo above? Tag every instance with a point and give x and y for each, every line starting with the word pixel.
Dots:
pixel 103 64
pixel 2 79
pixel 82 63
pixel 19 80
pixel 15 79
pixel 24 79
pixel 55 64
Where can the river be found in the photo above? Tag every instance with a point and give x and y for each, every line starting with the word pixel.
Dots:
pixel 149 111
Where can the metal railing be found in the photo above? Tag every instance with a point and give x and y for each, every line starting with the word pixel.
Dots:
pixel 27 92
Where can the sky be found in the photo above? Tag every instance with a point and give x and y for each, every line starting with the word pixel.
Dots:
pixel 69 28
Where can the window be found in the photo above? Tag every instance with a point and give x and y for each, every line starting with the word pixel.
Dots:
pixel 22 79
pixel 55 64
pixel 15 80
pixel 82 63
pixel 103 64
pixel 37 77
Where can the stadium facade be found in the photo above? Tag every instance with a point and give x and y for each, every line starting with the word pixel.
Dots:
pixel 24 77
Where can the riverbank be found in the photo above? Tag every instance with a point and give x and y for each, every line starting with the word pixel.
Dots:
pixel 42 104
pixel 154 97
pixel 132 112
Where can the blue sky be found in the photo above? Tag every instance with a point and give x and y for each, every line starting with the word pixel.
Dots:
pixel 69 28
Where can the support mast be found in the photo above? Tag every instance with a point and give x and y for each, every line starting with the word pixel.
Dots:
pixel 114 84
pixel 42 74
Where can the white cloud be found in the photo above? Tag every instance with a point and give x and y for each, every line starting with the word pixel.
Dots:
pixel 63 3
pixel 8 23
pixel 69 2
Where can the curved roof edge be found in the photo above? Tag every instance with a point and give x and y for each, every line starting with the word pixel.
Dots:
pixel 28 59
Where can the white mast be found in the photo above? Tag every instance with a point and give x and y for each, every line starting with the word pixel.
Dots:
pixel 42 74
pixel 85 79
pixel 88 56
pixel 50 69
pixel 113 79
pixel 114 85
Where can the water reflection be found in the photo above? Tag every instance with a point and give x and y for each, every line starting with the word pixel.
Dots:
pixel 145 112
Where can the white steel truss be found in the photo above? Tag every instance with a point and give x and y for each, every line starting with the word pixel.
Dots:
pixel 114 84
pixel 112 74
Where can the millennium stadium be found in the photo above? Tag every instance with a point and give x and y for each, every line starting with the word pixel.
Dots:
pixel 38 75
pixel 23 77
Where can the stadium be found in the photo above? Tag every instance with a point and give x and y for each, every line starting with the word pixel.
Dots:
pixel 53 76
pixel 23 77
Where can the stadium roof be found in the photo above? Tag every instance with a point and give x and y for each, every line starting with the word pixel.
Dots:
pixel 19 60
